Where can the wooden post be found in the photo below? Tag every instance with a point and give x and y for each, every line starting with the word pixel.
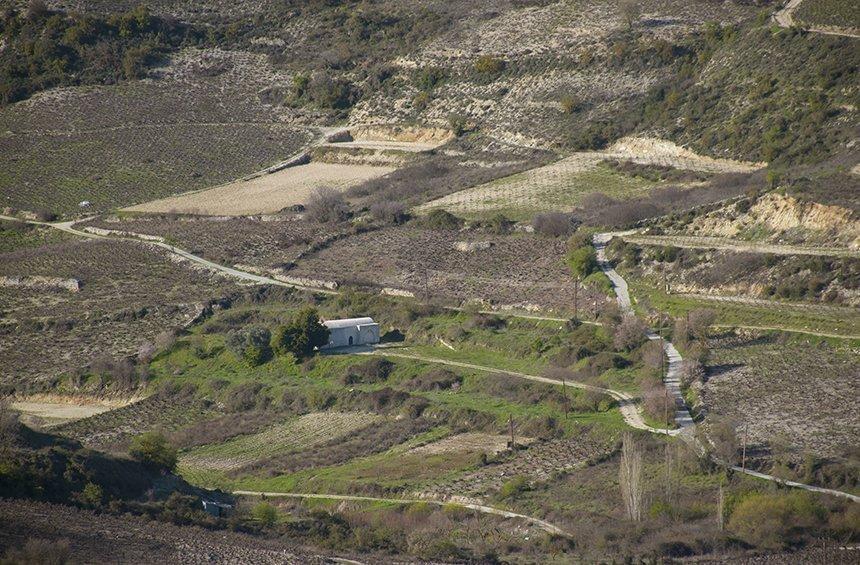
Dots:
pixel 511 425
pixel 744 450
pixel 576 299
pixel 720 508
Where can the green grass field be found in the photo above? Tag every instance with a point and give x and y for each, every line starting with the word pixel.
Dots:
pixel 555 187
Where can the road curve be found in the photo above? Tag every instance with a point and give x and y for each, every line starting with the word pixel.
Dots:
pixel 672 380
pixel 785 18
pixel 68 227
pixel 542 524
pixel 626 403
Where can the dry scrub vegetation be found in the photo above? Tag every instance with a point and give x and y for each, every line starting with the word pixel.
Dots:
pixel 129 294
pixel 793 395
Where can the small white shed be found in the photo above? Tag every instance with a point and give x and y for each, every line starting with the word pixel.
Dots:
pixel 351 331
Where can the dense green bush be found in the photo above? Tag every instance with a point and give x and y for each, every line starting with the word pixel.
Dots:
pixel 251 344
pixel 153 450
pixel 301 336
pixel 55 48
pixel 778 520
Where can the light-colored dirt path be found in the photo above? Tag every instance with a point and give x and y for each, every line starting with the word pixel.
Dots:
pixel 725 243
pixel 785 18
pixel 626 402
pixel 241 275
pixel 542 524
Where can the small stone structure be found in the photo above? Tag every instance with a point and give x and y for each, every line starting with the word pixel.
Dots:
pixel 350 332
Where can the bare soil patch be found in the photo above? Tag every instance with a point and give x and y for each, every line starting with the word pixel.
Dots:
pixel 521 269
pixel 48 414
pixel 469 442
pixel 268 193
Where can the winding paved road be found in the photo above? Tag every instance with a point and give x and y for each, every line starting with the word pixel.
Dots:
pixel 686 425
pixel 672 379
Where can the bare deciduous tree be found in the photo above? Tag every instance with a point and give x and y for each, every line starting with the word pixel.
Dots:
pixel 326 205
pixel 700 320
pixel 630 477
pixel 630 334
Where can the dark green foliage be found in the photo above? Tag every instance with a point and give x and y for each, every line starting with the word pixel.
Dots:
pixel 439 219
pixel 582 261
pixel 153 450
pixel 301 336
pixel 63 49
pixel 428 78
pixel 372 371
pixel 50 468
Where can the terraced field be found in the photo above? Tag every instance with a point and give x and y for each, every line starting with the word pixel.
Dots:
pixel 306 431
pixel 537 463
pixel 563 184
pixel 268 241
pixel 798 392
pixel 521 269
pixel 129 293
pixel 113 429
pixel 199 121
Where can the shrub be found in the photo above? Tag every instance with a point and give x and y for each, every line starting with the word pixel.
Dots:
pixel 570 104
pixel 699 321
pixel 514 487
pixel 251 344
pixel 776 521
pixel 41 551
pixel 326 205
pixel 553 224
pixel 439 219
pixel 499 224
pixel 389 212
pixel 243 397
pixel 372 371
pixel 458 124
pixel 436 379
pixel 629 334
pixel 265 514
pixel 91 495
pixel 153 450
pixel 582 258
pixel 489 65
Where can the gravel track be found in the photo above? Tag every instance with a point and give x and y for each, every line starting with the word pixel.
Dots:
pixel 701 242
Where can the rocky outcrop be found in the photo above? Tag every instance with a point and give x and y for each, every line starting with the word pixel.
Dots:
pixel 37 282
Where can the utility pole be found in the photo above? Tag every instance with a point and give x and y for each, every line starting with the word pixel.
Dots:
pixel 744 450
pixel 564 394
pixel 511 425
pixel 576 299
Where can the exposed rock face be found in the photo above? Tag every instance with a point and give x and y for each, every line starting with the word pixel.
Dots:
pixel 54 283
pixel 470 246
pixel 412 134
pixel 779 214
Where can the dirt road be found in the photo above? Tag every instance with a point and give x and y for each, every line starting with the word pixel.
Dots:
pixel 236 273
pixel 672 380
pixel 728 244
pixel 542 524
pixel 785 18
